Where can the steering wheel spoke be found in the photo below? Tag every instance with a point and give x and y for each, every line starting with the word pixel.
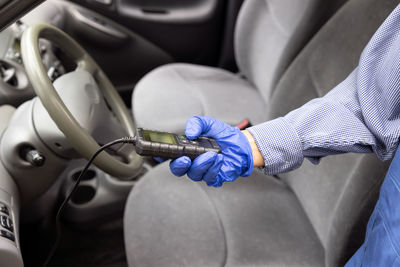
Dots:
pixel 85 64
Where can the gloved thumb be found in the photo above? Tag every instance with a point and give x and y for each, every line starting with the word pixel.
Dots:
pixel 194 128
pixel 204 126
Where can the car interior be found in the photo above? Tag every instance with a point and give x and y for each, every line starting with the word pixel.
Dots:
pixel 77 74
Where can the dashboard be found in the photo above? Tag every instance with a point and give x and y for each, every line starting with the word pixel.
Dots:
pixel 10 254
pixel 98 34
pixel 15 89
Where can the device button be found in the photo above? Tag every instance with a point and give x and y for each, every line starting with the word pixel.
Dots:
pixel 7 235
pixel 194 143
pixel 183 140
pixel 214 143
pixel 4 209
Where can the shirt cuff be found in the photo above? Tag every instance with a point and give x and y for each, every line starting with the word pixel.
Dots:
pixel 279 145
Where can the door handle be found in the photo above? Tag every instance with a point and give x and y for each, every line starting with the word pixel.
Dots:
pixel 98 24
pixel 104 2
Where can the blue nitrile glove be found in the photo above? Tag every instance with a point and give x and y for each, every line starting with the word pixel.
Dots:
pixel 235 160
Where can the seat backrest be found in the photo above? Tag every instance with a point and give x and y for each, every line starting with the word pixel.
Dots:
pixel 270 33
pixel 337 195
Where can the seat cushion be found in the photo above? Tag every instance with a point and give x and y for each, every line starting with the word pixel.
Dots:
pixel 172 221
pixel 169 95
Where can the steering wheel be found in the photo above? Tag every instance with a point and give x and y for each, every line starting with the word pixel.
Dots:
pixel 78 137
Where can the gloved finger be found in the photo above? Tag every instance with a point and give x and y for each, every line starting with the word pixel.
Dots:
pixel 201 165
pixel 218 181
pixel 211 175
pixel 194 127
pixel 204 126
pixel 180 166
pixel 159 160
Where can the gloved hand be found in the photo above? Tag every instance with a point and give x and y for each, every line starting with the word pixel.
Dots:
pixel 235 160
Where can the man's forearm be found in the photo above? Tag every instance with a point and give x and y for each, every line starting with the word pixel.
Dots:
pixel 258 159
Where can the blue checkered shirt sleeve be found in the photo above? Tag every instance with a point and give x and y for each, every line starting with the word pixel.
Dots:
pixel 360 115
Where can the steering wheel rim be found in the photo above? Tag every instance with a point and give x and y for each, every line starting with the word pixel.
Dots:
pixel 79 138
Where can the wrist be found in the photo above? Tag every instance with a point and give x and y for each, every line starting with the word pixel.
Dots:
pixel 258 159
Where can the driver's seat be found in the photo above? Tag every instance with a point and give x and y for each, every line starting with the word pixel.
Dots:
pixel 314 216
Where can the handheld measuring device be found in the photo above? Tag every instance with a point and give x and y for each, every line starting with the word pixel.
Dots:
pixel 172 146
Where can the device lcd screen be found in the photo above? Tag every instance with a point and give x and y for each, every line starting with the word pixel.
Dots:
pixel 164 138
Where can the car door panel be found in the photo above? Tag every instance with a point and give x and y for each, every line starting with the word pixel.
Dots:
pixel 188 30
pixel 176 11
pixel 123 55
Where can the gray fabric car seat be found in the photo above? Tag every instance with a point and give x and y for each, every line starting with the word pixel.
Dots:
pixel 339 195
pixel 268 35
pixel 313 216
